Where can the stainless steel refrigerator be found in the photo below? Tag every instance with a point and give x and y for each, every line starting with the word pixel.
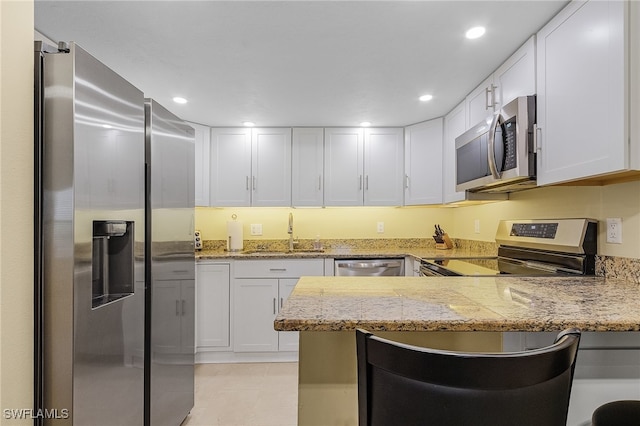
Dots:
pixel 95 256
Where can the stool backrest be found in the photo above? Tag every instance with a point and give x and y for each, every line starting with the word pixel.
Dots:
pixel 401 384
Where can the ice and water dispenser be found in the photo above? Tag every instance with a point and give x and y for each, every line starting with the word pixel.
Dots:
pixel 112 261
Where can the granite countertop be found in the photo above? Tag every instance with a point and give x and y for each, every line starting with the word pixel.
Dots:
pixel 337 253
pixel 461 304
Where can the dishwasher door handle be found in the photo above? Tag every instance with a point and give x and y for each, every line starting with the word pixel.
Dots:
pixel 369 265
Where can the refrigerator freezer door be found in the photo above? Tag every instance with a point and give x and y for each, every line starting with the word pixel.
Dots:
pixel 92 171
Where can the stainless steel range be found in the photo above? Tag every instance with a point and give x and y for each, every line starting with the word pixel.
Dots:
pixel 529 247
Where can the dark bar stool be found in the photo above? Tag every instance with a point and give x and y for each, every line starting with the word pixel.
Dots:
pixel 617 413
pixel 401 384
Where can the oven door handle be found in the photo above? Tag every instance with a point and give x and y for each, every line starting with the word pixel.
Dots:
pixel 491 146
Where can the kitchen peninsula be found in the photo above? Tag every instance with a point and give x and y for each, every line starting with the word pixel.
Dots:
pixel 457 313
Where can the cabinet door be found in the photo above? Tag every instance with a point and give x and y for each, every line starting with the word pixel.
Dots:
pixel 202 146
pixel 454 125
pixel 271 167
pixel 212 309
pixel 343 168
pixel 581 92
pixel 255 307
pixel 480 102
pixel 230 167
pixel 287 340
pixel 517 76
pixel 383 167
pixel 423 163
pixel 307 167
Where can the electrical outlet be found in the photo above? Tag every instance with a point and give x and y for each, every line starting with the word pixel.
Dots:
pixel 476 226
pixel 614 230
pixel 380 227
pixel 256 229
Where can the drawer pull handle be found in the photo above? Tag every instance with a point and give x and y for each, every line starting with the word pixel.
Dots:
pixel 277 269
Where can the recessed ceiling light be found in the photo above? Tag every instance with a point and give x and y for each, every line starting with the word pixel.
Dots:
pixel 475 32
pixel 107 126
pixel 425 98
pixel 179 100
pixel 365 124
pixel 248 123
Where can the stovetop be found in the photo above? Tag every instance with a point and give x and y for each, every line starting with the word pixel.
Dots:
pixel 530 247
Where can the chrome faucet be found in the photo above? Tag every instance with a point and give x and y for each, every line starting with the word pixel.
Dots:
pixel 290 231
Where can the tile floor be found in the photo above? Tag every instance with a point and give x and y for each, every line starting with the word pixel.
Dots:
pixel 252 394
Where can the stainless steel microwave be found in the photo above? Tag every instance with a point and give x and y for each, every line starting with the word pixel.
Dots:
pixel 498 155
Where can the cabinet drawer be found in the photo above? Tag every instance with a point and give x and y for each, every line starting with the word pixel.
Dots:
pixel 278 268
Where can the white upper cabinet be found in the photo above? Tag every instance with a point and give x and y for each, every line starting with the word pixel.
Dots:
pixel 307 186
pixel 423 163
pixel 515 77
pixel 230 167
pixel 344 165
pixel 383 166
pixel 363 167
pixel 480 102
pixel 271 167
pixel 582 92
pixel 250 167
pixel 202 146
pixel 454 125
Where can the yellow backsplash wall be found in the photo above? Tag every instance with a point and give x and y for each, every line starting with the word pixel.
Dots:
pixel 620 200
pixel 330 222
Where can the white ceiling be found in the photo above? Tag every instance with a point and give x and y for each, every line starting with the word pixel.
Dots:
pixel 298 63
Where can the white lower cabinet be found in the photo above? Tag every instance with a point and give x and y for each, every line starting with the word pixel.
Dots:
pixel 212 307
pixel 259 301
pixel 261 288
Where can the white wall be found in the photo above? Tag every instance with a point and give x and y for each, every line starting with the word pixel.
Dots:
pixel 16 207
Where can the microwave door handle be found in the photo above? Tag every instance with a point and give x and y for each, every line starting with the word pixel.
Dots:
pixel 491 146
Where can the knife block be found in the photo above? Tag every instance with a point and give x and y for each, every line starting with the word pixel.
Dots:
pixel 446 245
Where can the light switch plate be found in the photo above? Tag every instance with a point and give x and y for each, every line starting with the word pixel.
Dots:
pixel 614 230
pixel 256 229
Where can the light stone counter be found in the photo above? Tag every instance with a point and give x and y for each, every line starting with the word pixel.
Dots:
pixel 351 253
pixel 455 313
pixel 461 304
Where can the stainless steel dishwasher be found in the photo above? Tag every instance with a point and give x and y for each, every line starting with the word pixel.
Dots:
pixel 369 267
